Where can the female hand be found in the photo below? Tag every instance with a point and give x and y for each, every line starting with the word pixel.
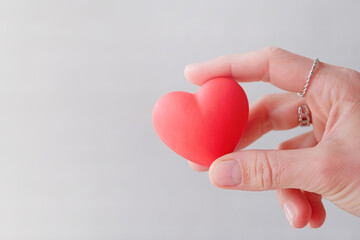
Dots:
pixel 321 163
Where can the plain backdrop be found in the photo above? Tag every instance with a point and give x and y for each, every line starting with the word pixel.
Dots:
pixel 79 158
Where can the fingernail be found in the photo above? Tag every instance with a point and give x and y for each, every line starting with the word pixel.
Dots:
pixel 227 173
pixel 289 212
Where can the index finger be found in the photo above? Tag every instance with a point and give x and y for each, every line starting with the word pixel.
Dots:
pixel 281 68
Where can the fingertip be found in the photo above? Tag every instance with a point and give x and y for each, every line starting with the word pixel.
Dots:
pixel 318 212
pixel 303 216
pixel 296 207
pixel 190 67
pixel 197 167
pixel 191 73
pixel 314 225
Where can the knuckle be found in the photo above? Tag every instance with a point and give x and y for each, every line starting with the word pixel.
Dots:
pixel 266 101
pixel 267 123
pixel 284 145
pixel 226 58
pixel 271 49
pixel 266 98
pixel 264 172
pixel 350 73
pixel 269 53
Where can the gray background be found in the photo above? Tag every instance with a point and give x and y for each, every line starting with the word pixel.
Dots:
pixel 79 158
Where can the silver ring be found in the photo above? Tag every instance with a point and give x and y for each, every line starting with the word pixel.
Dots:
pixel 304 116
pixel 303 92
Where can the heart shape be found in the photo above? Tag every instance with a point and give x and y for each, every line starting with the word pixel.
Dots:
pixel 205 125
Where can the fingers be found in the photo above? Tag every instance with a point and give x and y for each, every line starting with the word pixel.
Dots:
pixel 296 206
pixel 259 170
pixel 302 208
pixel 318 213
pixel 281 68
pixel 271 112
pixel 296 202
pixel 304 140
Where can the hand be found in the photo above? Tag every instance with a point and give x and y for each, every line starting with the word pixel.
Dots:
pixel 321 163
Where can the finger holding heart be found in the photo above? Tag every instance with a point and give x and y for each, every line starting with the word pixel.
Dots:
pixel 203 126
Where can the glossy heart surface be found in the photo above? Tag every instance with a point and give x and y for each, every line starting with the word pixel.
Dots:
pixel 203 126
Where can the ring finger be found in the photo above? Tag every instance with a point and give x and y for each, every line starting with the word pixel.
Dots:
pixel 271 112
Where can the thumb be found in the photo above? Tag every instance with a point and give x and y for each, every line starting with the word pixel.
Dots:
pixel 258 170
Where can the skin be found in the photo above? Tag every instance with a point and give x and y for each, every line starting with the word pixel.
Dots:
pixel 322 163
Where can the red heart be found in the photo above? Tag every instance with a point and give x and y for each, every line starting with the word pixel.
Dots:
pixel 203 126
